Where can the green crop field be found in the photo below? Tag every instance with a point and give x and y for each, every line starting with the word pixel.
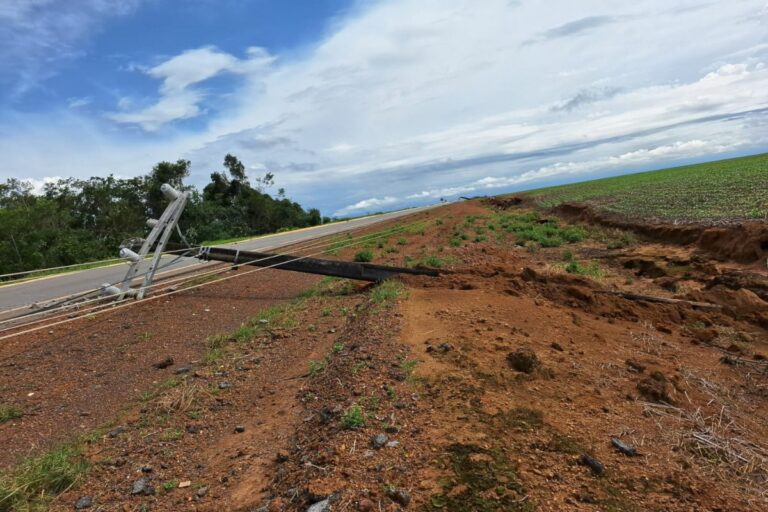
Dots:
pixel 726 189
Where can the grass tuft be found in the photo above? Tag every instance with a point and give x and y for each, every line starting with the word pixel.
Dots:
pixel 9 412
pixel 387 291
pixel 364 256
pixel 353 418
pixel 36 481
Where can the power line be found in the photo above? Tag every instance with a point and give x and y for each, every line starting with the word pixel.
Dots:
pixel 154 297
pixel 166 282
pixel 48 269
pixel 91 311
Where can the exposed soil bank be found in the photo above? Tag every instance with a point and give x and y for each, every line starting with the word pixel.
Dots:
pixel 744 242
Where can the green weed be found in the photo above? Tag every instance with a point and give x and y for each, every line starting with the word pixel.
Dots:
pixel 35 481
pixel 9 412
pixel 591 270
pixel 315 367
pixel 172 434
pixel 364 256
pixel 353 418
pixel 387 291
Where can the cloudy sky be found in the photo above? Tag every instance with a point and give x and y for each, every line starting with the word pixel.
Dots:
pixel 365 105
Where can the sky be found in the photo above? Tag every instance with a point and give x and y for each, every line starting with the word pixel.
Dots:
pixel 368 105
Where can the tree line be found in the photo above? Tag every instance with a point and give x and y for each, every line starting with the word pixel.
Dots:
pixel 81 220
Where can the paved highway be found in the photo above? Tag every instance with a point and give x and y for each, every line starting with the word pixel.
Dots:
pixel 47 288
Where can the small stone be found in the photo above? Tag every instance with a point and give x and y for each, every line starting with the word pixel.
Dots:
pixel 365 505
pixel 321 506
pixel 224 385
pixel 84 502
pixel 392 444
pixel 239 429
pixel 379 440
pixel 399 496
pixel 623 447
pixel 116 432
pixel 556 346
pixel 185 483
pixel 182 370
pixel 445 347
pixel 523 360
pixel 201 492
pixel 398 375
pixel 367 454
pixel 165 363
pixel 193 429
pixel 142 487
pixel 586 498
pixel 146 469
pixel 595 465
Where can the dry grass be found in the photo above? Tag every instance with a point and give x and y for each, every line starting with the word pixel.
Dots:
pixel 182 398
pixel 717 437
pixel 648 341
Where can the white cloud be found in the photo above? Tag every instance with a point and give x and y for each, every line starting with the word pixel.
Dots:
pixel 407 101
pixel 38 186
pixel 79 102
pixel 177 101
pixel 367 204
pixel 482 186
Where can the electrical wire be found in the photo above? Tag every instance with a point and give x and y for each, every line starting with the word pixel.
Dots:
pixel 155 297
pixel 167 282
pixel 48 269
pixel 65 302
pixel 49 309
pixel 91 310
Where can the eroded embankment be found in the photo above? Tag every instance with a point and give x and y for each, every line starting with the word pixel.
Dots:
pixel 743 242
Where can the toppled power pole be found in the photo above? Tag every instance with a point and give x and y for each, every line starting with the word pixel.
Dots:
pixel 136 250
pixel 345 269
pixel 158 238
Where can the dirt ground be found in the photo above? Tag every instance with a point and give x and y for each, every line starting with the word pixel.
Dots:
pixel 507 383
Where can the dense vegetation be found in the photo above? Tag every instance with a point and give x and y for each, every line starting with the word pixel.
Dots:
pixel 727 189
pixel 75 221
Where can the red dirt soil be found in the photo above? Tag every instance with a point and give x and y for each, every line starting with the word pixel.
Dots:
pixel 492 384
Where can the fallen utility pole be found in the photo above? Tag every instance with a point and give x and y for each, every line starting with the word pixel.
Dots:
pixel 660 300
pixel 159 241
pixel 345 269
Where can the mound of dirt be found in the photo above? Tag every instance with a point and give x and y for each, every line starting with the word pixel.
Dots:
pixel 743 242
pixel 503 203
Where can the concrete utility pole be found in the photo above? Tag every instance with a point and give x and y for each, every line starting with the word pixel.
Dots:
pixel 158 237
pixel 163 227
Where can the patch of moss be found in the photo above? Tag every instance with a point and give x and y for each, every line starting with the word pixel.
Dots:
pixel 564 444
pixel 488 482
pixel 519 418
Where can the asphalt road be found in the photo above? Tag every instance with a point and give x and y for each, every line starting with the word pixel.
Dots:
pixel 52 287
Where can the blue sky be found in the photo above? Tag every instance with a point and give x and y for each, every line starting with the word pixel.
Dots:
pixel 363 105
